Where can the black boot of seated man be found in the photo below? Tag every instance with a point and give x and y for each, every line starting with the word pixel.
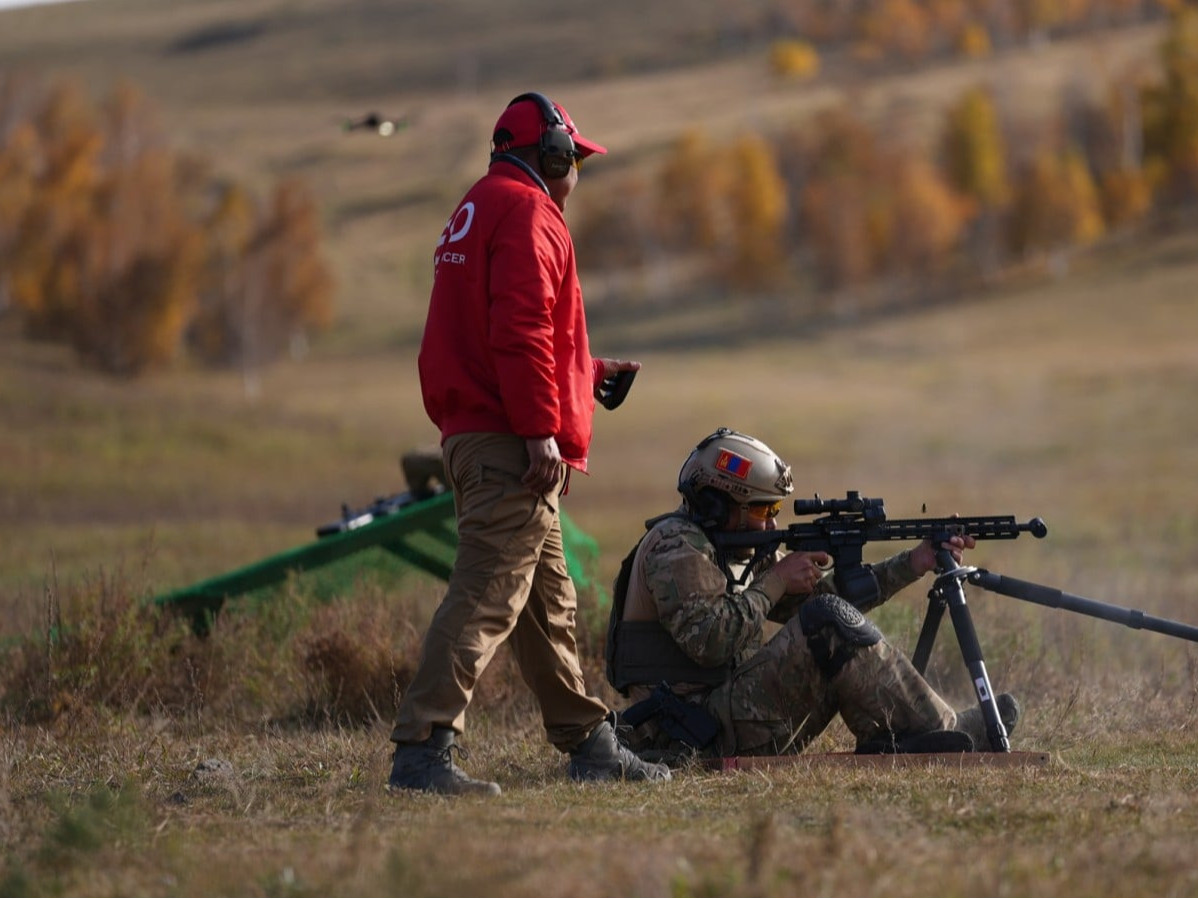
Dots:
pixel 601 757
pixel 429 767
pixel 971 721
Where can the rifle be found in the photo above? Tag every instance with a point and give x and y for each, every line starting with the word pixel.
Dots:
pixel 351 519
pixel 852 522
pixel 856 520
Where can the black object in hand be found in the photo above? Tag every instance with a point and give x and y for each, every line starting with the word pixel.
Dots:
pixel 614 388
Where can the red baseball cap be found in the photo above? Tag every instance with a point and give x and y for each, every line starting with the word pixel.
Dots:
pixel 524 121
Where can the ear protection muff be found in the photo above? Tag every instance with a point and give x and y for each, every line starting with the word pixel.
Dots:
pixel 556 147
pixel 712 505
pixel 708 506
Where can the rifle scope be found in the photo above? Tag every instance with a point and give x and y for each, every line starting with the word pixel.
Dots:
pixel 852 504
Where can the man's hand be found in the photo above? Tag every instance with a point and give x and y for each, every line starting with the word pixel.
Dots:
pixel 801 571
pixel 615 378
pixel 611 366
pixel 923 557
pixel 544 464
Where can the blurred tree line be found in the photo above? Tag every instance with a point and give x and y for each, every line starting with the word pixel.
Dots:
pixel 134 253
pixel 838 204
pixel 877 35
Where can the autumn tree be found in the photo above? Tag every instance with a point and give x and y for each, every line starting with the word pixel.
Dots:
pixel 757 209
pixel 928 218
pixel 266 285
pixel 794 59
pixel 617 228
pixel 19 161
pixel 1110 133
pixel 285 257
pixel 901 27
pixel 107 241
pixel 689 190
pixel 47 261
pixel 837 208
pixel 1171 111
pixel 974 160
pixel 228 229
pixel 144 253
pixel 1056 207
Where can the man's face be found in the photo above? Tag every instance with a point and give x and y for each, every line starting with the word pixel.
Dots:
pixel 561 188
pixel 754 517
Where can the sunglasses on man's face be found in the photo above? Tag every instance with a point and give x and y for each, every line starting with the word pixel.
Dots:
pixel 764 511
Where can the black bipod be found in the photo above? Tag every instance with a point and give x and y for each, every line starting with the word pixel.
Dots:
pixel 948 591
pixel 1058 599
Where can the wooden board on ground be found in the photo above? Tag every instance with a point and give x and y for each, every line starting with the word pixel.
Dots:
pixel 906 760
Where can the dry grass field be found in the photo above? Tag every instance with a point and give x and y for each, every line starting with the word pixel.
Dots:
pixel 1072 400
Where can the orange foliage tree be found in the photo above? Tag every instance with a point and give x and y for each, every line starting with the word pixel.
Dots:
pixel 1056 205
pixel 838 207
pixel 928 218
pixel 757 206
pixel 1110 133
pixel 104 242
pixel 47 264
pixel 143 251
pixel 793 59
pixel 1171 112
pixel 689 191
pixel 899 26
pixel 975 164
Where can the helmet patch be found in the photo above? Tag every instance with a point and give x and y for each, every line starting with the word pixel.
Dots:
pixel 730 462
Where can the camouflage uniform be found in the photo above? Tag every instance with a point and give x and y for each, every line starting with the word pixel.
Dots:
pixel 778 697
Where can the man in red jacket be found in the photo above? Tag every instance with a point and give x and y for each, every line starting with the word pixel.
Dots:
pixel 507 375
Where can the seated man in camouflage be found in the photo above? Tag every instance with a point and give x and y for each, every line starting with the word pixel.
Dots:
pixel 686 641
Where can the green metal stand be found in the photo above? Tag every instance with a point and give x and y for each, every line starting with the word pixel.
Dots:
pixel 420 531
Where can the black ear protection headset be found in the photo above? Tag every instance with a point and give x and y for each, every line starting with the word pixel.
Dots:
pixel 556 148
pixel 709 507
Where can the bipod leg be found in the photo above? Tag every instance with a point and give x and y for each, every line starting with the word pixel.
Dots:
pixel 949 587
pixel 1058 599
pixel 927 633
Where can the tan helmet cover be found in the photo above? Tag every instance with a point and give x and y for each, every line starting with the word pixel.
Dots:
pixel 738 465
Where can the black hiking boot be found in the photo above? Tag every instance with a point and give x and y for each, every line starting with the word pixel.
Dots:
pixel 602 757
pixel 429 766
pixel 971 721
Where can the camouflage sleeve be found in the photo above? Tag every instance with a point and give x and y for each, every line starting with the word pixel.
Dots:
pixel 788 606
pixel 893 575
pixel 712 624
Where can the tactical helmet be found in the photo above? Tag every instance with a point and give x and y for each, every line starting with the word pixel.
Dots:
pixel 728 467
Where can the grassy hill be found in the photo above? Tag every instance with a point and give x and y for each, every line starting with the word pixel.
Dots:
pixel 1068 399
pixel 262 89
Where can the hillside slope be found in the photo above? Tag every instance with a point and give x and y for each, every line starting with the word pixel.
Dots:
pixel 263 89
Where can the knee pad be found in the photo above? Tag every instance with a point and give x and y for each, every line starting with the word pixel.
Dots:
pixel 826 616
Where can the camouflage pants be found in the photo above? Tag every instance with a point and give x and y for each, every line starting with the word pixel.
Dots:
pixel 779 701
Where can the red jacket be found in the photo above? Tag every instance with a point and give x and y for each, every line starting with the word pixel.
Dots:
pixel 505 344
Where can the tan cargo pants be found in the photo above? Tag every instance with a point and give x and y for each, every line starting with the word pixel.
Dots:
pixel 509 582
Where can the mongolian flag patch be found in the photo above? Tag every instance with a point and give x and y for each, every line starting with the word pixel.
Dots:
pixel 737 466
